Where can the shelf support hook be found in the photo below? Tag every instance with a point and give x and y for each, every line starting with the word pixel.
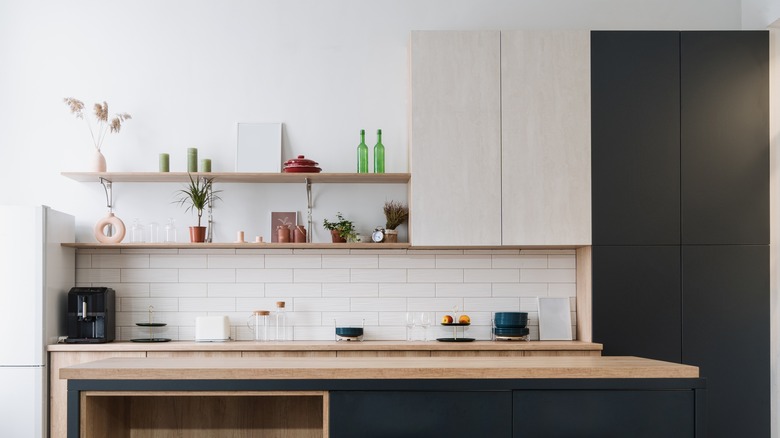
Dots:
pixel 308 209
pixel 107 187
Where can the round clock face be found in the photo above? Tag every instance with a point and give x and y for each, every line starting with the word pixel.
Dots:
pixel 378 236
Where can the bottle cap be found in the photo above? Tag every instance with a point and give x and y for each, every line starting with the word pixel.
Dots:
pixel 362 131
pixel 378 131
pixel 262 312
pixel 280 304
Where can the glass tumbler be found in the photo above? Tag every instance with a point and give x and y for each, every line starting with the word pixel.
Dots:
pixel 170 231
pixel 137 231
pixel 154 232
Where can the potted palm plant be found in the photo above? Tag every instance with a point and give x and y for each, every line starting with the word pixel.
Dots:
pixel 342 230
pixel 396 213
pixel 197 196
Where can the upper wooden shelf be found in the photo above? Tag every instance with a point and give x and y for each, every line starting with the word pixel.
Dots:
pixel 236 245
pixel 240 177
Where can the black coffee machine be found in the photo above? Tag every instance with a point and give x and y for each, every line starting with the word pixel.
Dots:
pixel 91 315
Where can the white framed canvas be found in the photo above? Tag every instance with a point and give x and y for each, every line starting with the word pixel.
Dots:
pixel 259 147
pixel 555 319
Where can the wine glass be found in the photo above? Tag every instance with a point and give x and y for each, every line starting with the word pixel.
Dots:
pixel 425 322
pixel 411 322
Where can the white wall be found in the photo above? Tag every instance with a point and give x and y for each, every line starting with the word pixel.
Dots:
pixel 188 71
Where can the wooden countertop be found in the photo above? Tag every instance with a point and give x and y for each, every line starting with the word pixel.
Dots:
pixel 377 368
pixel 333 346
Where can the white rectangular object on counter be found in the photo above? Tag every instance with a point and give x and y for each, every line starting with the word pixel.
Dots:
pixel 554 319
pixel 212 329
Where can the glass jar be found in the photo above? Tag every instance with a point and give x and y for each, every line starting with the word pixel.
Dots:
pixel 259 324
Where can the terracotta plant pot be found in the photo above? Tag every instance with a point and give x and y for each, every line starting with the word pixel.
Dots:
pixel 197 234
pixel 334 235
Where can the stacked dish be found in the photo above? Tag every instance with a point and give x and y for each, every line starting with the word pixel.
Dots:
pixel 302 165
pixel 510 326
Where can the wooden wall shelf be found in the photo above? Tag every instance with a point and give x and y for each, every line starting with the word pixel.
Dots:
pixel 239 177
pixel 184 245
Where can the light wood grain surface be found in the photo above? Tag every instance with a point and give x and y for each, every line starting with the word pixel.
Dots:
pixel 378 368
pixel 334 346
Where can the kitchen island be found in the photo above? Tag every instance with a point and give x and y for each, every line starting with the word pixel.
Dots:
pixel 402 396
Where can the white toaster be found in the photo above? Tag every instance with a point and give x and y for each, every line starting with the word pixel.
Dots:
pixel 212 329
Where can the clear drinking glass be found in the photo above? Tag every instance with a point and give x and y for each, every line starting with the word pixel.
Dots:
pixel 137 231
pixel 425 322
pixel 170 231
pixel 154 232
pixel 411 323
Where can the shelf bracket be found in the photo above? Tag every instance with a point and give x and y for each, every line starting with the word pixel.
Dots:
pixel 308 209
pixel 210 229
pixel 107 187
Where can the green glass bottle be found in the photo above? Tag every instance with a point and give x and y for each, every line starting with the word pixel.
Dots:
pixel 362 154
pixel 379 153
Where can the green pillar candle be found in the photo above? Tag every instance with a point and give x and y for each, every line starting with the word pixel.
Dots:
pixel 192 159
pixel 205 165
pixel 165 163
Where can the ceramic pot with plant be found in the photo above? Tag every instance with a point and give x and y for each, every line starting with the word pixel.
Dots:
pixel 99 130
pixel 342 230
pixel 199 195
pixel 396 213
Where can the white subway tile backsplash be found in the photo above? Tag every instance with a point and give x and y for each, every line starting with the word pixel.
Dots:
pixel 293 261
pixel 407 289
pixel 463 290
pixel 380 286
pixel 435 275
pixel 236 261
pixel 349 261
pixel 378 276
pixel 207 304
pixel 207 275
pixel 198 261
pixel 98 276
pixel 350 290
pixel 264 275
pixel 548 275
pixel 351 319
pixel 290 290
pixel 462 261
pixel 150 275
pixel 491 275
pixel 321 275
pixel 178 289
pixel 519 261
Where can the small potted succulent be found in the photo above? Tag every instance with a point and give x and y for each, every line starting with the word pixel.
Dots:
pixel 197 196
pixel 396 213
pixel 340 231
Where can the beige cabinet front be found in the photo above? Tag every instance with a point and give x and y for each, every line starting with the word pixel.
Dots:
pixel 500 138
pixel 455 150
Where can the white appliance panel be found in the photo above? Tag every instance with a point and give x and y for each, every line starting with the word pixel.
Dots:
pixel 22 409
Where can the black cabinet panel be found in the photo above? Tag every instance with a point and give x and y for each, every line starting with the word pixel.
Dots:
pixel 635 140
pixel 636 414
pixel 636 301
pixel 726 334
pixel 725 137
pixel 393 414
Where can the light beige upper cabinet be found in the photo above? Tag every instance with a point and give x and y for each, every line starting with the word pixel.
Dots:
pixel 545 108
pixel 455 144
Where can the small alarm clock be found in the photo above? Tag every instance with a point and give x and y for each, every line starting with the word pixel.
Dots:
pixel 378 235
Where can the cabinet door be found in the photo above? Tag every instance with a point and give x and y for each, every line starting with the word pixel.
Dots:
pixel 635 79
pixel 636 301
pixel 545 112
pixel 455 151
pixel 421 414
pixel 725 137
pixel 726 334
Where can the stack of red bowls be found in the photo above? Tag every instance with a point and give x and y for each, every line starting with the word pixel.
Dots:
pixel 301 165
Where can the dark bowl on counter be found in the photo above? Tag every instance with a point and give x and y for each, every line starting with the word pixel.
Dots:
pixel 510 319
pixel 349 332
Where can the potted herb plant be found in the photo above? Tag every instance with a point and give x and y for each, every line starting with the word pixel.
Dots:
pixel 197 196
pixel 396 213
pixel 340 231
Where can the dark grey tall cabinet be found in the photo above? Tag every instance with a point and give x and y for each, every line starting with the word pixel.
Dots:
pixel 680 159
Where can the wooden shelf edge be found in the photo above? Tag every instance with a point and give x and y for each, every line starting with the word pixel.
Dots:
pixel 365 246
pixel 241 177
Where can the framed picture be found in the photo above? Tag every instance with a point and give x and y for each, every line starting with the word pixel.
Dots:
pixel 554 319
pixel 259 147
pixel 280 217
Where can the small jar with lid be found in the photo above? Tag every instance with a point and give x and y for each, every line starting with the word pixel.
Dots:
pixel 280 320
pixel 259 323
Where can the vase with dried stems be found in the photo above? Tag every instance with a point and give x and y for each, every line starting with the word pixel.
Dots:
pixel 396 213
pixel 99 129
pixel 198 195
